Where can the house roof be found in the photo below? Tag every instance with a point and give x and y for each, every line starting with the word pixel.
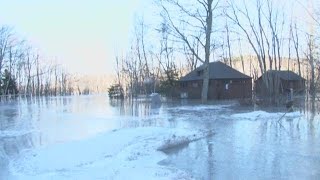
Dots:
pixel 285 75
pixel 217 70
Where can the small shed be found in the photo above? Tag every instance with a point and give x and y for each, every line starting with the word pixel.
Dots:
pixel 224 83
pixel 284 80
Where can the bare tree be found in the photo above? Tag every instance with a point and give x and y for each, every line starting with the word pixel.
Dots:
pixel 28 67
pixel 195 17
pixel 311 59
pixel 257 40
pixel 27 70
pixel 228 43
pixel 264 34
pixel 295 40
pixel 5 38
pixel 241 56
pixel 166 60
pixel 192 60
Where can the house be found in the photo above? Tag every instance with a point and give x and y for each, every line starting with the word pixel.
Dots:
pixel 284 80
pixel 224 83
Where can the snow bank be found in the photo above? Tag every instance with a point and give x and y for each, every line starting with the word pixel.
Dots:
pixel 201 107
pixel 255 115
pixel 120 154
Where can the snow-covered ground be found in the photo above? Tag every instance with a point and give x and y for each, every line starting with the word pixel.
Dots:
pixel 200 107
pixel 119 154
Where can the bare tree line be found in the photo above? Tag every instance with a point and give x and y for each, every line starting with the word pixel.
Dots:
pixel 274 36
pixel 31 74
pixel 149 66
pixel 203 30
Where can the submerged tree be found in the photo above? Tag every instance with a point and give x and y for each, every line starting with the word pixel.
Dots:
pixel 116 92
pixel 195 17
pixel 166 58
pixel 262 24
pixel 24 69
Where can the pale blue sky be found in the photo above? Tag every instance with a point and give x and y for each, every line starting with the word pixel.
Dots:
pixel 83 34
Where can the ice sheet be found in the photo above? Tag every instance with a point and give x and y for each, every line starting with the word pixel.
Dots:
pixel 120 154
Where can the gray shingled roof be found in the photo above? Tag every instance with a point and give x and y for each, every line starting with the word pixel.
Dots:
pixel 286 75
pixel 217 70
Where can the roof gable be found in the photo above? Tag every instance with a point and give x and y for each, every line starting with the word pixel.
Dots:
pixel 217 70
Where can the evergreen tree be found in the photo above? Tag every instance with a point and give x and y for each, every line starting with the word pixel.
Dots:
pixel 116 91
pixel 8 84
pixel 169 82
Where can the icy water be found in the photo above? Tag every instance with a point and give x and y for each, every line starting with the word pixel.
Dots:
pixel 247 144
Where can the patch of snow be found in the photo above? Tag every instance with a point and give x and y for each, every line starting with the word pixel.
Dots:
pixel 202 107
pixel 120 154
pixel 255 115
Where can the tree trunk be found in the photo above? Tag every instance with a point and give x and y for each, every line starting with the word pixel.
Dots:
pixel 205 85
pixel 229 46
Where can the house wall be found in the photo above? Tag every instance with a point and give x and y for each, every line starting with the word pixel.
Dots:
pixel 219 89
pixel 297 86
pixel 192 88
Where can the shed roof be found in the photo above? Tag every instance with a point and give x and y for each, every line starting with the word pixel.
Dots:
pixel 217 70
pixel 284 75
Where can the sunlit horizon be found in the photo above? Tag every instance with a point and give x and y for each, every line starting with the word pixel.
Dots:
pixel 80 35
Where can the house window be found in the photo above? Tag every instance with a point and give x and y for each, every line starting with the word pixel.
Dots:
pixel 227 86
pixel 200 73
pixel 291 84
pixel 184 95
pixel 194 84
pixel 183 84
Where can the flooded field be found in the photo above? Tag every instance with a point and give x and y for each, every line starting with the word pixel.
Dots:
pixel 248 143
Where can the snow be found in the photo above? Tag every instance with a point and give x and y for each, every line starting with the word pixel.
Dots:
pixel 255 115
pixel 202 107
pixel 76 140
pixel 119 154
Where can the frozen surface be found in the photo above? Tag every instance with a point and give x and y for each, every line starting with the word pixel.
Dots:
pixel 119 154
pixel 258 115
pixel 91 137
pixel 252 145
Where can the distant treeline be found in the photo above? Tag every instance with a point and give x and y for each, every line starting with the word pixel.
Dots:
pixel 25 71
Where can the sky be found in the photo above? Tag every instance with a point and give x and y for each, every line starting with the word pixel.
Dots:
pixel 83 35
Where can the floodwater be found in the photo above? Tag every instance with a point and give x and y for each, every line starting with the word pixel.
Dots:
pixel 248 144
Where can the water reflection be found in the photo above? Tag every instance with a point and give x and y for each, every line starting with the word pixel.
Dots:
pixel 12 140
pixel 135 107
pixel 6 112
pixel 50 120
pixel 260 148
